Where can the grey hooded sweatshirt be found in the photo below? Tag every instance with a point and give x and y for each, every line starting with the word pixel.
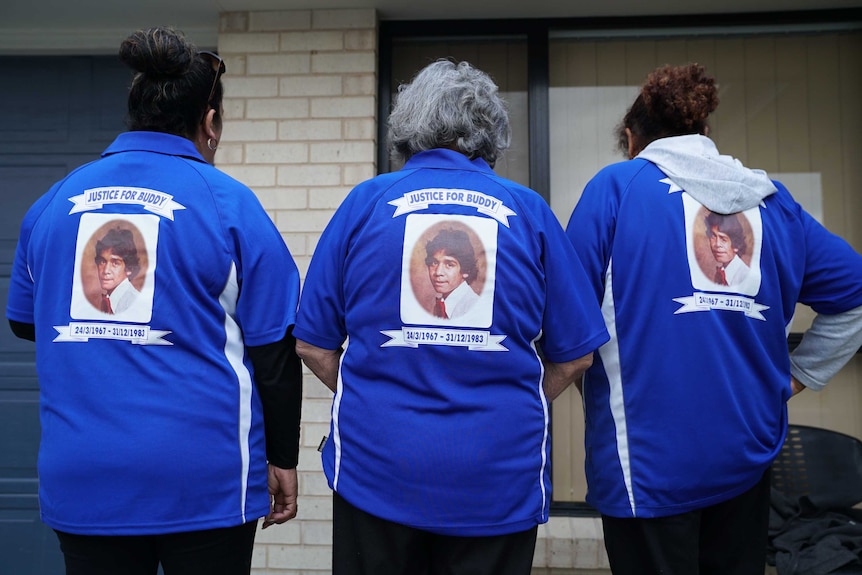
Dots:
pixel 725 186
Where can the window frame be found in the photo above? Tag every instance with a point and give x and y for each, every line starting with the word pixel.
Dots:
pixel 538 33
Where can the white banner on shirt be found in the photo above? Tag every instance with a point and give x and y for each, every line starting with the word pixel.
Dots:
pixel 421 199
pixel 472 339
pixel 152 200
pixel 136 334
pixel 708 301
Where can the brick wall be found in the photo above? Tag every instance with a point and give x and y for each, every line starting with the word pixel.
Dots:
pixel 300 130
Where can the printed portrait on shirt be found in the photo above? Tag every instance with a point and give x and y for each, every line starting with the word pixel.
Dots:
pixel 448 270
pixel 114 267
pixel 724 249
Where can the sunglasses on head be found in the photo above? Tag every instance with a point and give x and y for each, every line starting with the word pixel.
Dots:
pixel 217 63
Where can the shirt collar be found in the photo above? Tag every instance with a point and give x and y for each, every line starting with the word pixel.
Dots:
pixel 456 295
pixel 157 142
pixel 441 158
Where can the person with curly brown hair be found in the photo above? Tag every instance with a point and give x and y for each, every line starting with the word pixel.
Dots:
pixel 686 405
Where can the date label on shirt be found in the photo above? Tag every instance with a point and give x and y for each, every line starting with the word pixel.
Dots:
pixel 473 339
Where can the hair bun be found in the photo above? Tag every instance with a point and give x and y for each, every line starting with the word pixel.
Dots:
pixel 158 52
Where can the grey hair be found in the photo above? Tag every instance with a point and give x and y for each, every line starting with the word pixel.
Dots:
pixel 449 105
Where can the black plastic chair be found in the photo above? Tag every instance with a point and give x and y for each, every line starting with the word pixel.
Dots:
pixel 823 465
pixel 818 476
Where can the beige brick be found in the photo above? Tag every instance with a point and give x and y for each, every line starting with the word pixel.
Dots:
pixel 586 528
pixel 312 433
pixel 251 176
pixel 309 130
pixel 289 533
pixel 317 533
pixel 559 528
pixel 542 531
pixel 235 65
pixel 234 108
pixel 245 87
pixel 302 263
pixel 233 22
pixel 314 483
pixel 310 86
pixel 277 108
pixel 283 198
pixel 277 153
pixel 278 64
pixel 229 153
pixel 360 39
pixel 307 221
pixel 342 152
pixel 540 554
pixel 258 556
pixel 231 42
pixel 319 175
pixel 250 130
pixel 280 20
pixel 327 198
pixel 360 85
pixel 343 19
pixel 296 244
pixel 360 129
pixel 316 389
pixel 316 508
pixel 303 557
pixel 343 62
pixel 345 107
pixel 561 553
pixel 308 41
pixel 586 553
pixel 317 410
pixel 357 173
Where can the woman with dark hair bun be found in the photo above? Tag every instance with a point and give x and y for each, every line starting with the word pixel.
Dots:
pixel 698 263
pixel 176 88
pixel 170 409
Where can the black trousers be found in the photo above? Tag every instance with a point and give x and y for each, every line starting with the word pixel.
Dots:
pixel 210 552
pixel 725 539
pixel 367 545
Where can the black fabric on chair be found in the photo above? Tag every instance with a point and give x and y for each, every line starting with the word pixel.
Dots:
pixel 816 481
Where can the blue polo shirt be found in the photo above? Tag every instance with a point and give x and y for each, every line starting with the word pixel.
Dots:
pixel 686 405
pixel 440 423
pixel 150 419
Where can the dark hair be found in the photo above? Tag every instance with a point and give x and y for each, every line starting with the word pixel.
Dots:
pixel 730 225
pixel 673 101
pixel 121 243
pixel 454 243
pixel 449 105
pixel 171 85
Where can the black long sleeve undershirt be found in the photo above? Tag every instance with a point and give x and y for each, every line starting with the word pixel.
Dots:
pixel 278 377
pixel 23 330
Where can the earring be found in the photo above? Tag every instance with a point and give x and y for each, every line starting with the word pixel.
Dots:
pixel 212 144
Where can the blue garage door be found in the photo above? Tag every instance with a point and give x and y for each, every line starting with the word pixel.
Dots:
pixel 58 113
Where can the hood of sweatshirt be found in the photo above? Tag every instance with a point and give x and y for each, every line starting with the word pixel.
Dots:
pixel 721 183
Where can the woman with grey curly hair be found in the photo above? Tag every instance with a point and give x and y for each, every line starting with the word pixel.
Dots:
pixel 450 105
pixel 424 270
